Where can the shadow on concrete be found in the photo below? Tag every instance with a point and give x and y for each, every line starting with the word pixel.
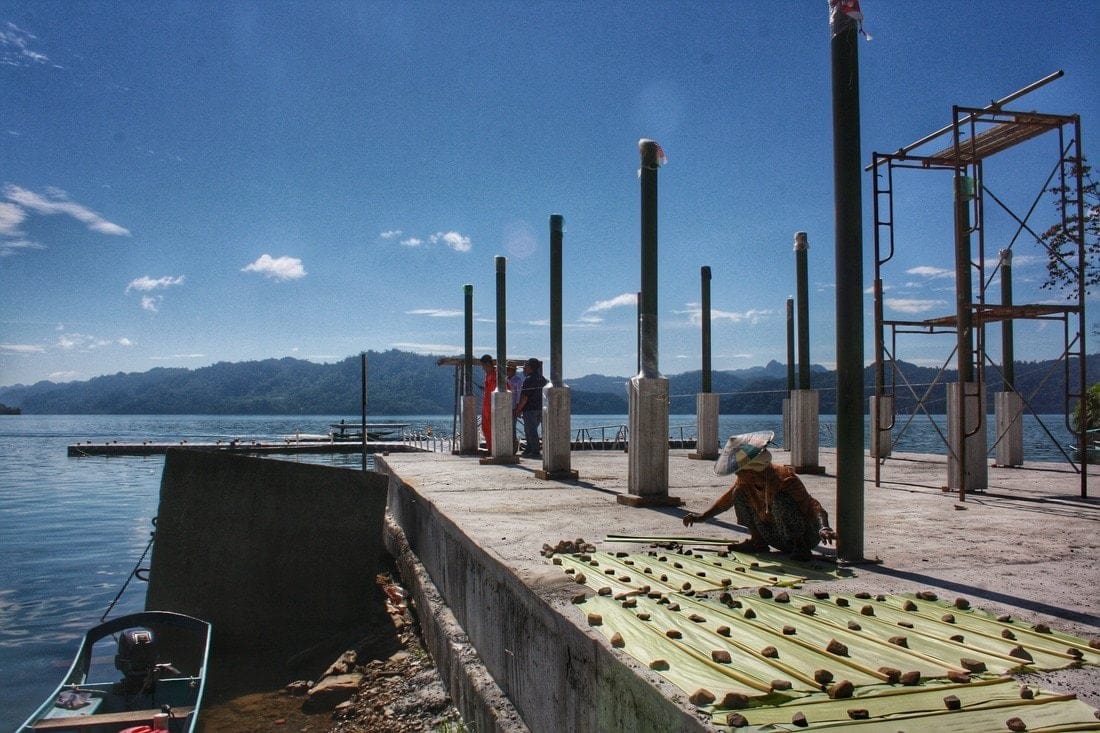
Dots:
pixel 991 595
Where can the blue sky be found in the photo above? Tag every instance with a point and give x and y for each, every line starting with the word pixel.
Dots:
pixel 194 182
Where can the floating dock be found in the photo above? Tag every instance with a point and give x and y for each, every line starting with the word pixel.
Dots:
pixel 151 448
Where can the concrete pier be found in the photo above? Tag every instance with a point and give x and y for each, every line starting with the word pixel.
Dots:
pixel 515 650
pixel 519 655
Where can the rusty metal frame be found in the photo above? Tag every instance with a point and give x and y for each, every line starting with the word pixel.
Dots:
pixel 975 135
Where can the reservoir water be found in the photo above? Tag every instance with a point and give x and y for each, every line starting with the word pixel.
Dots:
pixel 73 529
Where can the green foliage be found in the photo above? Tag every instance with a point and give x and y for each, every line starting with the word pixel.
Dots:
pixel 1062 238
pixel 1088 410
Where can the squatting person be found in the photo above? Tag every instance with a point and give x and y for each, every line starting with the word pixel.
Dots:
pixel 769 499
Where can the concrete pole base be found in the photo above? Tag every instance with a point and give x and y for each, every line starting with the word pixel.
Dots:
pixel 974 476
pixel 882 422
pixel 503 433
pixel 644 501
pixel 706 427
pixel 556 443
pixel 1008 408
pixel 559 475
pixel 470 441
pixel 804 428
pixel 647 474
pixel 787 435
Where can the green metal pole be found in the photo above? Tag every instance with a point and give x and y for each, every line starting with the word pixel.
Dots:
pixel 704 276
pixel 650 153
pixel 844 48
pixel 802 278
pixel 790 346
pixel 468 357
pixel 502 344
pixel 556 368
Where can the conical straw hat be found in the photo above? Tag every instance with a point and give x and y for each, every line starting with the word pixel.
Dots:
pixel 741 450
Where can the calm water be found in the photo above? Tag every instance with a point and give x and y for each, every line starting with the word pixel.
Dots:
pixel 72 529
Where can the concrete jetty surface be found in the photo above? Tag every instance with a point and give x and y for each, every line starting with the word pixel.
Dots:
pixel 518 654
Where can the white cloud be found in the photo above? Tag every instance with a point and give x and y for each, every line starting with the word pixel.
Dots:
pixel 17 246
pixel 22 348
pixel 66 376
pixel 11 216
pixel 277 268
pixel 151 303
pixel 435 312
pixel 912 305
pixel 57 201
pixel 84 342
pixel 391 234
pixel 174 357
pixel 15 47
pixel 454 240
pixel 147 283
pixel 626 299
pixel 412 242
pixel 750 316
pixel 931 272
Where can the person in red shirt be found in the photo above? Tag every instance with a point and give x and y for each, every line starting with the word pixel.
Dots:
pixel 487 400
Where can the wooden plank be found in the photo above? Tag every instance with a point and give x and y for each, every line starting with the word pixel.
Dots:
pixel 88 721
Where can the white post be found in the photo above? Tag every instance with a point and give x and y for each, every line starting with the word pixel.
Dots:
pixel 1008 407
pixel 975 475
pixel 469 424
pixel 706 426
pixel 805 425
pixel 504 433
pixel 882 422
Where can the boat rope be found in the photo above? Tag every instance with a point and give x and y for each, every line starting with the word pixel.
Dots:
pixel 134 572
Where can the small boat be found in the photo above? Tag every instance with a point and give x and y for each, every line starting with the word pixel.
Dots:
pixel 137 673
pixel 349 431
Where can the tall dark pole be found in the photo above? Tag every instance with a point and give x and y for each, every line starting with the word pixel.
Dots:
pixel 790 346
pixel 802 289
pixel 502 331
pixel 556 368
pixel 1008 357
pixel 468 355
pixel 704 276
pixel 844 48
pixel 964 352
pixel 651 155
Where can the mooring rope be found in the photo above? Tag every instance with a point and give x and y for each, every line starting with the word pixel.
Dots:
pixel 111 606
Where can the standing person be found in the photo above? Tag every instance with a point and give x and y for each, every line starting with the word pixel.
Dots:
pixel 487 401
pixel 515 386
pixel 770 501
pixel 530 405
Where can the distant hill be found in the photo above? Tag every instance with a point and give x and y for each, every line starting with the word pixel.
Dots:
pixel 403 383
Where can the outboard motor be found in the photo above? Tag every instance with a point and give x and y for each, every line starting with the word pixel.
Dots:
pixel 137 653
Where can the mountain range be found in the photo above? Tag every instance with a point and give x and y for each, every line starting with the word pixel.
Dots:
pixel 404 383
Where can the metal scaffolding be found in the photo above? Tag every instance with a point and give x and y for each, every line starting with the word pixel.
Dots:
pixel 961 148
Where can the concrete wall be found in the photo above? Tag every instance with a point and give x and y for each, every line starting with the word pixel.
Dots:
pixel 268 551
pixel 557 676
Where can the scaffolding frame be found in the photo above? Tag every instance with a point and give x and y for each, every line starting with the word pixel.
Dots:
pixel 975 135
